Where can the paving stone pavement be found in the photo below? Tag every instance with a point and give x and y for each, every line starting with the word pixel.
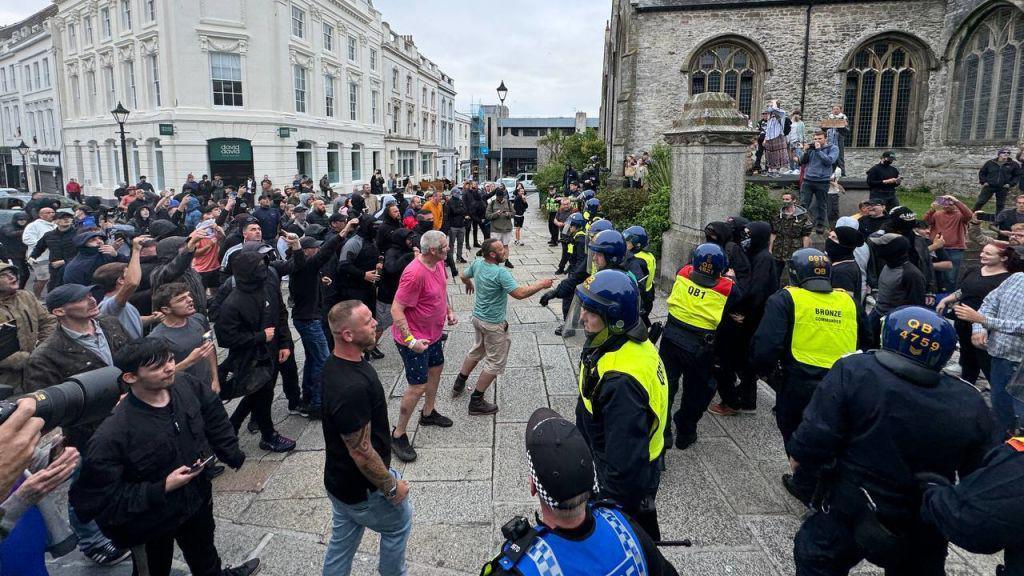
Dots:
pixel 723 493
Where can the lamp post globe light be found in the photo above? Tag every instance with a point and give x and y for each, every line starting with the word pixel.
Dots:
pixel 120 115
pixel 502 93
pixel 22 149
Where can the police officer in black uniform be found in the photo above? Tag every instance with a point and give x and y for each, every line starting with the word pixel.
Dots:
pixel 578 267
pixel 608 251
pixel 878 419
pixel 573 536
pixel 807 326
pixel 623 402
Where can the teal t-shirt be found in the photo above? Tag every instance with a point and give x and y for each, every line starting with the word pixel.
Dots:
pixel 493 283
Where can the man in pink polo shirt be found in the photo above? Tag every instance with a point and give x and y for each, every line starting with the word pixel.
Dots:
pixel 419 311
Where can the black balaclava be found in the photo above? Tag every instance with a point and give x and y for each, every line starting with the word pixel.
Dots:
pixel 365 227
pixel 848 241
pixel 424 226
pixel 250 271
pixel 894 250
pixel 738 223
pixel 718 233
pixel 760 234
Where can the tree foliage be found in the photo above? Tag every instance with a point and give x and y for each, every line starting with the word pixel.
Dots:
pixel 575 149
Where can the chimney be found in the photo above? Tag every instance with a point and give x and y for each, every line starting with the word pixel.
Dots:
pixel 581 122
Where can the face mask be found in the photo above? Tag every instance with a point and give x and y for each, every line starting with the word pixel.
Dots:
pixel 425 226
pixel 89 250
pixel 745 244
pixel 787 203
pixel 887 162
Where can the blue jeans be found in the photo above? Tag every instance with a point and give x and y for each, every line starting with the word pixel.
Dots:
pixel 1005 408
pixel 956 256
pixel 393 523
pixel 795 150
pixel 314 343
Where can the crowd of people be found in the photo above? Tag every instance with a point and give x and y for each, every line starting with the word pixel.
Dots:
pixel 154 286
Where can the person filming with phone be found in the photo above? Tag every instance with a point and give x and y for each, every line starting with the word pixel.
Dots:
pixel 144 477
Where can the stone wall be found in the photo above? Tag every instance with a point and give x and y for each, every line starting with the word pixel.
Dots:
pixel 655 49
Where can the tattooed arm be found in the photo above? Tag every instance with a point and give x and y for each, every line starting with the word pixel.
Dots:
pixel 371 465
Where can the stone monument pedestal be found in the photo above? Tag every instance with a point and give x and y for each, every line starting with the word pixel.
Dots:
pixel 709 147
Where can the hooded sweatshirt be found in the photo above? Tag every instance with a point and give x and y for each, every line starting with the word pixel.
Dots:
pixel 900 283
pixel 397 257
pixel 10 235
pixel 721 233
pixel 358 256
pixel 763 280
pixel 845 270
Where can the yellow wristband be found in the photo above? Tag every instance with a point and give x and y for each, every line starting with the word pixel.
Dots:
pixel 410 338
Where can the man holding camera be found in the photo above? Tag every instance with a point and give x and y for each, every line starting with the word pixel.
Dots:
pixel 144 475
pixel 24 318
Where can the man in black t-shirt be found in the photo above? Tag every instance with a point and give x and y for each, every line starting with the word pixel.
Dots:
pixel 364 491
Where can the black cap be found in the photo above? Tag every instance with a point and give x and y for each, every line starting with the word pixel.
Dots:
pixel 889 155
pixel 309 242
pixel 873 202
pixel 299 208
pixel 561 465
pixel 66 294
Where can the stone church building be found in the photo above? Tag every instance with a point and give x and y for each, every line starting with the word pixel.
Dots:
pixel 940 82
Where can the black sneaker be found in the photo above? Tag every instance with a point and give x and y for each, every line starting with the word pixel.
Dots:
pixel 252 427
pixel 461 260
pixel 684 441
pixel 444 337
pixel 796 491
pixel 402 449
pixel 558 331
pixel 249 568
pixel 435 419
pixel 314 413
pixel 508 264
pixel 459 387
pixel 295 407
pixel 376 354
pixel 214 471
pixel 654 332
pixel 108 554
pixel 277 443
pixel 479 406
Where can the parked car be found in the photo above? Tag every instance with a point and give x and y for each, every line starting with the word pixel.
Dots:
pixel 527 179
pixel 6 191
pixel 8 215
pixel 17 200
pixel 510 185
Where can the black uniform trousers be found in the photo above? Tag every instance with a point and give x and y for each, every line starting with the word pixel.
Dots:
pixel 565 256
pixel 194 537
pixel 791 399
pixel 733 354
pixel 692 361
pixel 553 228
pixel 825 546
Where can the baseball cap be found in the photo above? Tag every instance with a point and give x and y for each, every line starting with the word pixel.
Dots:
pixel 257 246
pixel 7 266
pixel 299 208
pixel 309 242
pixel 873 202
pixel 64 214
pixel 889 155
pixel 902 213
pixel 66 294
pixel 561 465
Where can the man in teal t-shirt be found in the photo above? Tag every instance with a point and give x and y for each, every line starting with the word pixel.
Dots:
pixel 494 284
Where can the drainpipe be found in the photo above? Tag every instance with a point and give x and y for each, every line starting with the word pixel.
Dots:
pixel 807 51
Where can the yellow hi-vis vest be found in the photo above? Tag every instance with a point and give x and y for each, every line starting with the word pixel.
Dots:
pixel 652 264
pixel 695 305
pixel 572 243
pixel 824 326
pixel 639 360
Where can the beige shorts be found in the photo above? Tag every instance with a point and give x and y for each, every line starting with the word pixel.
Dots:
pixel 41 270
pixel 491 345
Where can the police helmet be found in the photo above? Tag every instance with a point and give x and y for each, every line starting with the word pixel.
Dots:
pixel 637 236
pixel 709 263
pixel 614 296
pixel 600 225
pixel 611 244
pixel 593 205
pixel 577 220
pixel 811 269
pixel 920 335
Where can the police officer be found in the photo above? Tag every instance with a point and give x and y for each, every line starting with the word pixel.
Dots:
pixel 637 242
pixel 573 537
pixel 592 209
pixel 623 403
pixel 984 513
pixel 807 326
pixel 609 252
pixel 578 267
pixel 701 296
pixel 883 417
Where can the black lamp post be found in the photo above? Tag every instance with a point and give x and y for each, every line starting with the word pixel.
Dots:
pixel 458 168
pixel 502 93
pixel 121 116
pixel 22 148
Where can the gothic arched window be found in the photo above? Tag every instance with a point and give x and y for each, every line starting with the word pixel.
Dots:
pixel 882 80
pixel 989 93
pixel 731 68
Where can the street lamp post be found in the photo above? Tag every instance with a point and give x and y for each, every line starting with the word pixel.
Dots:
pixel 121 116
pixel 502 93
pixel 458 168
pixel 23 150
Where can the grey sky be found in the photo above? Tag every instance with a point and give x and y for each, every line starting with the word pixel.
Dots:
pixel 548 52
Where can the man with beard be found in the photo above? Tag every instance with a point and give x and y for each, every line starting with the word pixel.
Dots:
pixel 31 324
pixel 762 282
pixel 318 215
pixel 358 271
pixel 298 222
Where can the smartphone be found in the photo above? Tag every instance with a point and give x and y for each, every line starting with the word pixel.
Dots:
pixel 986 217
pixel 199 465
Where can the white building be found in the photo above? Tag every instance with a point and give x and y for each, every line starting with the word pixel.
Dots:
pixel 462 150
pixel 29 107
pixel 418 114
pixel 233 87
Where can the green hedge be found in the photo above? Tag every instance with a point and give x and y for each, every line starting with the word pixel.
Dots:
pixel 760 203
